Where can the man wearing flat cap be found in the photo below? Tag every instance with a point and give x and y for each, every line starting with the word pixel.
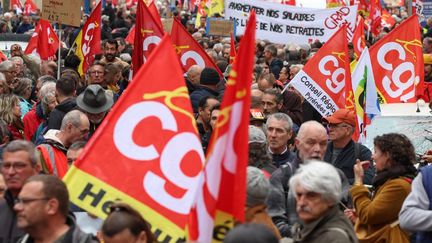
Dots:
pixel 342 151
pixel 96 103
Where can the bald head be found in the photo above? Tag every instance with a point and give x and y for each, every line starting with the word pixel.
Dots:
pixel 311 141
pixel 194 73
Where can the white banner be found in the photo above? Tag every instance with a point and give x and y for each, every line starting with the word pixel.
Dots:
pixel 314 94
pixel 284 24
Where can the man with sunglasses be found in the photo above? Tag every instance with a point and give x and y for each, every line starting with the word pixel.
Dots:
pixel 342 151
pixel 19 162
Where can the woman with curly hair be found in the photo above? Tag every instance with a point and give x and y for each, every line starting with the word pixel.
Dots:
pixel 10 113
pixel 376 218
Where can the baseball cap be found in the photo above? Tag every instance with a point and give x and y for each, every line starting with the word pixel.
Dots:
pixel 340 116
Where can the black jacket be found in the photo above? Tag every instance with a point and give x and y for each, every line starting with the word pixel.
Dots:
pixel 281 159
pixel 56 116
pixel 275 67
pixel 346 160
pixel 74 234
pixel 9 232
pixel 199 93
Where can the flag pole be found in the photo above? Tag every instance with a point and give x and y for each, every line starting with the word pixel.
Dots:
pixel 59 52
pixel 369 30
pixel 71 48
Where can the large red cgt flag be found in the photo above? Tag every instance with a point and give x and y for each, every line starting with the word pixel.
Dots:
pixel 88 41
pixel 222 191
pixel 397 62
pixel 146 152
pixel 323 81
pixel 44 41
pixel 188 49
pixel 148 33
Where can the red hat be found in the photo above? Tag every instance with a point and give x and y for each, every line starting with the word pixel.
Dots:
pixel 340 116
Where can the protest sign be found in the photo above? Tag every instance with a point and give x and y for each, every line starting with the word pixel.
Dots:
pixel 283 23
pixel 220 27
pixel 65 12
pixel 323 81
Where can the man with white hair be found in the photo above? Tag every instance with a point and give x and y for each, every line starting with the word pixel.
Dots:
pixel 318 190
pixel 311 144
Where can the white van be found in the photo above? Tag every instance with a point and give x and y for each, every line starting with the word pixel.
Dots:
pixel 8 39
pixel 415 121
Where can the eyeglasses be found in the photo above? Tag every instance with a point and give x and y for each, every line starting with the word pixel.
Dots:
pixel 18 166
pixel 332 125
pixel 25 201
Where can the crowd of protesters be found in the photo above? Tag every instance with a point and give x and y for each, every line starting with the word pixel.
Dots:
pixel 307 180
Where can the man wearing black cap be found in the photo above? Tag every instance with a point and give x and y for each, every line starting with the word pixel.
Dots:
pixel 208 81
pixel 342 151
pixel 95 102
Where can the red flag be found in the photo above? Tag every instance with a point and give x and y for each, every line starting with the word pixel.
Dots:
pixel 16 4
pixel 397 62
pixel 89 39
pixel 30 7
pixel 386 19
pixel 130 38
pixel 157 173
pixel 363 8
pixel 232 49
pixel 375 17
pixel 44 41
pixel 188 49
pixel 359 41
pixel 3 57
pixel 324 79
pixel 131 3
pixel 148 36
pixel 155 13
pixel 222 190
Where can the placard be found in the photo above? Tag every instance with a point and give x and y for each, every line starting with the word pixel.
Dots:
pixel 61 11
pixel 220 27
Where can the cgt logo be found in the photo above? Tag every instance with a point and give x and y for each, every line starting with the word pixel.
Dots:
pixel 171 157
pixel 331 67
pixel 150 40
pixel 185 56
pixel 88 37
pixel 401 76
